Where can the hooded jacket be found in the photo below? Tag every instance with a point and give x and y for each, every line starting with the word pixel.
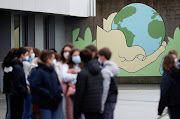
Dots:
pixel 89 89
pixel 47 86
pixel 109 70
pixel 170 86
pixel 19 86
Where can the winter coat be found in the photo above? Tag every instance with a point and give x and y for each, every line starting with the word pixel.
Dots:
pixel 89 89
pixel 170 90
pixel 68 77
pixel 109 70
pixel 18 79
pixel 47 86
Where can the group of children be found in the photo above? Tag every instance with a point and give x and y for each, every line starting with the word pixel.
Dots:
pixel 72 84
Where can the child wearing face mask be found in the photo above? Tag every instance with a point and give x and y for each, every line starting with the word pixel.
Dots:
pixel 69 77
pixel 47 86
pixel 28 100
pixel 176 59
pixel 175 55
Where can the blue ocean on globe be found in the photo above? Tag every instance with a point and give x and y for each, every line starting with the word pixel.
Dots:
pixel 143 27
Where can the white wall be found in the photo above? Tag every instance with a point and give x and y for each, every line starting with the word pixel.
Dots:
pixel 66 7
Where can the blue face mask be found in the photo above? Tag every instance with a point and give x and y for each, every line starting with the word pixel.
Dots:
pixel 177 62
pixel 76 59
pixel 32 57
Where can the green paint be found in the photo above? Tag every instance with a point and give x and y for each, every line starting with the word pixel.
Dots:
pixel 124 13
pixel 80 43
pixel 75 34
pixel 154 68
pixel 155 14
pixel 128 34
pixel 156 29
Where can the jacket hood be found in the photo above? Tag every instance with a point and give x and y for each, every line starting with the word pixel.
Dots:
pixel 16 61
pixel 112 67
pixel 45 67
pixel 93 66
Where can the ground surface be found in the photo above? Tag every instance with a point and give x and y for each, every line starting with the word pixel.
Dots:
pixel 134 102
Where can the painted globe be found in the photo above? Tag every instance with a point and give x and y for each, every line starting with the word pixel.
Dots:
pixel 141 25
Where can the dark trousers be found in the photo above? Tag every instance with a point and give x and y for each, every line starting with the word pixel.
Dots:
pixel 16 106
pixel 93 115
pixel 109 111
pixel 174 112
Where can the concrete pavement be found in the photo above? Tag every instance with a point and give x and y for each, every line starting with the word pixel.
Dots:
pixel 134 102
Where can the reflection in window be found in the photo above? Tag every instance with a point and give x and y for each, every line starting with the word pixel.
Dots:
pixel 16 30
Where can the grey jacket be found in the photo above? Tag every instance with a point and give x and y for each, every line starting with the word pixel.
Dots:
pixel 109 69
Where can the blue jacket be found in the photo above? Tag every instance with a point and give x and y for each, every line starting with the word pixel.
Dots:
pixel 170 90
pixel 46 85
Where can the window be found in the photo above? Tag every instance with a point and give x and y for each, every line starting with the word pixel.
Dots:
pixel 16 30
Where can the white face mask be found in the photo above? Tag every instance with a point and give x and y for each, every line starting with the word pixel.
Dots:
pixel 100 61
pixel 26 58
pixel 66 55
pixel 175 60
pixel 54 62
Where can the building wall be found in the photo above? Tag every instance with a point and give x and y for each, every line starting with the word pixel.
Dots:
pixel 67 7
pixel 33 29
pixel 132 56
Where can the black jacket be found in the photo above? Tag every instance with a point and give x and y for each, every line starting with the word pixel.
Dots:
pixel 46 85
pixel 19 86
pixel 170 90
pixel 89 88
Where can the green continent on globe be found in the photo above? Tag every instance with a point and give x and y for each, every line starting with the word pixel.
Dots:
pixel 156 29
pixel 154 15
pixel 125 13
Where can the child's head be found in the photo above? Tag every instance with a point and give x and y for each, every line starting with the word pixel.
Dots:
pixel 168 63
pixel 47 56
pixel 104 54
pixel 74 57
pixel 173 53
pixel 93 49
pixel 30 51
pixel 86 55
pixel 65 52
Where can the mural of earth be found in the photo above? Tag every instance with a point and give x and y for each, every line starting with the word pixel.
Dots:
pixel 141 25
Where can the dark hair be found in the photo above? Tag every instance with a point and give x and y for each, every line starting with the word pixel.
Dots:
pixel 169 63
pixel 106 53
pixel 173 52
pixel 86 55
pixel 45 55
pixel 62 51
pixel 53 49
pixel 21 51
pixel 37 52
pixel 69 60
pixel 58 57
pixel 92 48
pixel 9 57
